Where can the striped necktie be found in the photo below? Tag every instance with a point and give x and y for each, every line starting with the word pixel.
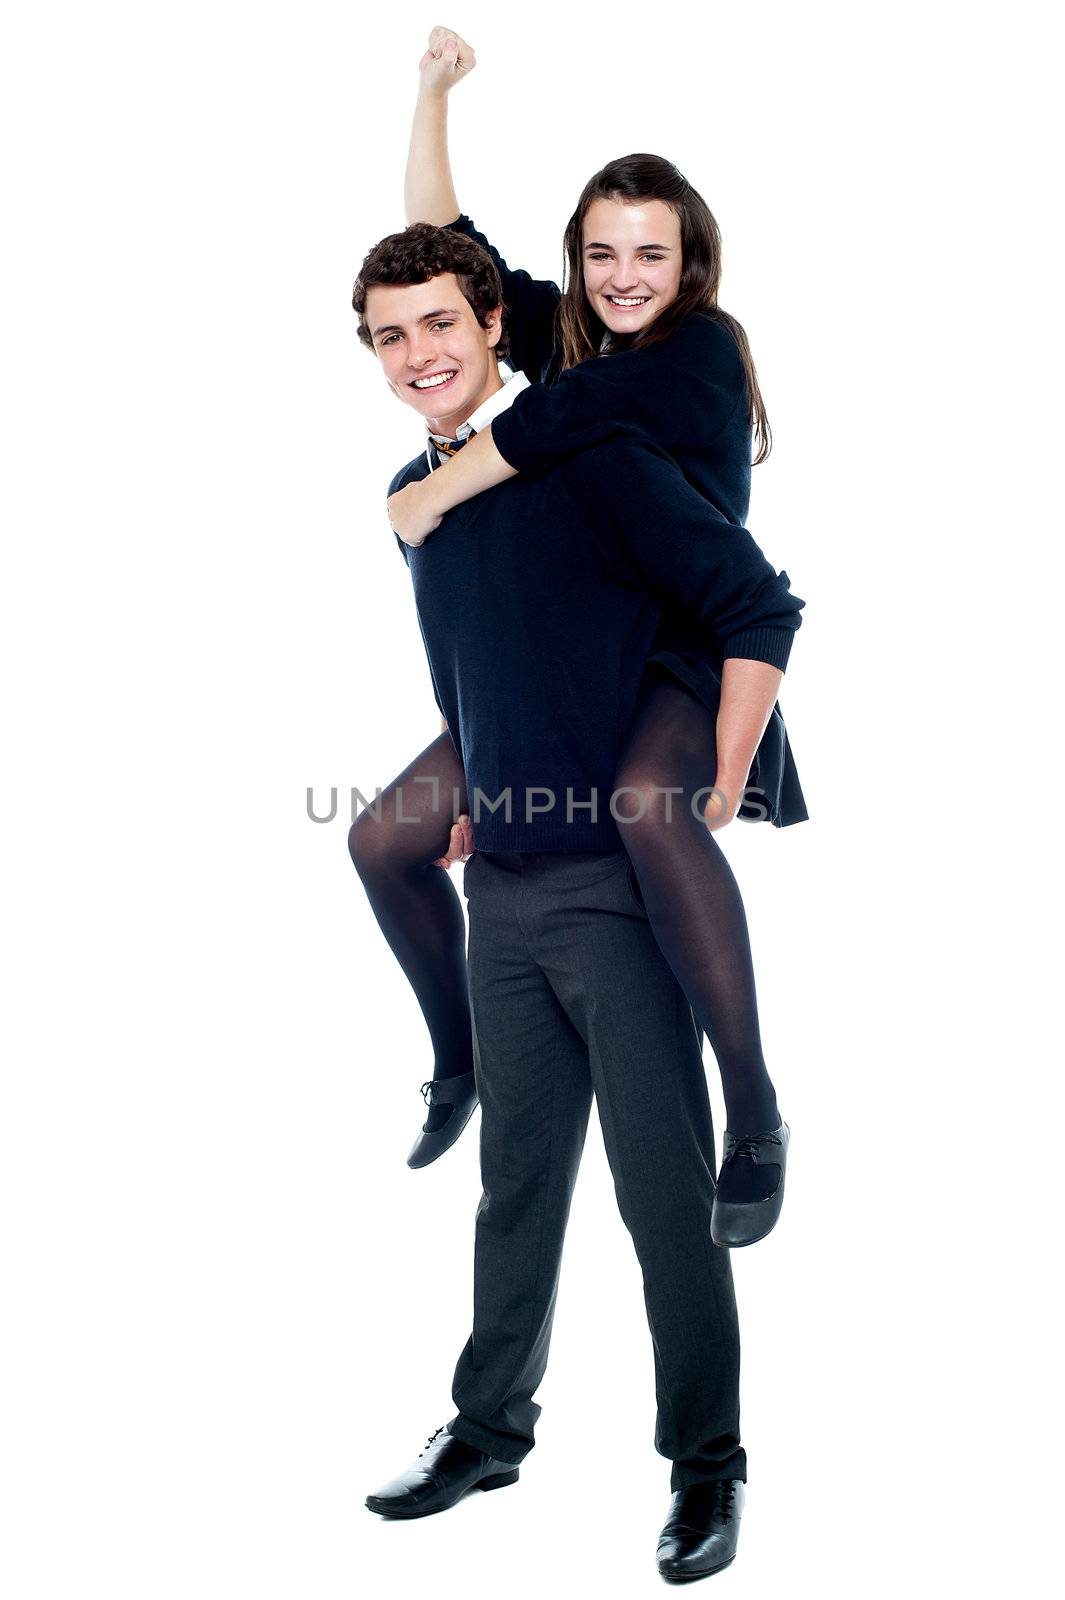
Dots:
pixel 450 447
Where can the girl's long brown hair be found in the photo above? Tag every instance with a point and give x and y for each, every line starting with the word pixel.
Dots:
pixel 634 179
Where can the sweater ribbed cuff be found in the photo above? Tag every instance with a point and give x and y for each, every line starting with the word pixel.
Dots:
pixel 771 645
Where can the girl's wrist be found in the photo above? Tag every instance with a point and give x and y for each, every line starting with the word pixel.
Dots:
pixel 428 497
pixel 729 777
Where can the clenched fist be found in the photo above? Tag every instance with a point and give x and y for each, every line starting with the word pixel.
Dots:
pixel 447 60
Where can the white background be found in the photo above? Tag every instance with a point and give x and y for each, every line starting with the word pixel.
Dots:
pixel 232 1310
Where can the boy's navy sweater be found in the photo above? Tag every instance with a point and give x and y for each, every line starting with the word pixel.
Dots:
pixel 539 603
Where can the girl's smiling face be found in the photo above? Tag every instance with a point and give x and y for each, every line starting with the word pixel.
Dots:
pixel 632 261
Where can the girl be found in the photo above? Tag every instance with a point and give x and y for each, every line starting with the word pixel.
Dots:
pixel 639 340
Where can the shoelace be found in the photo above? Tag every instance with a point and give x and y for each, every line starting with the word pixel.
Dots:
pixel 727 1490
pixel 750 1146
pixel 433 1436
pixel 723 1494
pixel 427 1091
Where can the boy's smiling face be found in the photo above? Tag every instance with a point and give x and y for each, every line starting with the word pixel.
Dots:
pixel 434 353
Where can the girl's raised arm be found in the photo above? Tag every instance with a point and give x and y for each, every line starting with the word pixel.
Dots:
pixel 428 187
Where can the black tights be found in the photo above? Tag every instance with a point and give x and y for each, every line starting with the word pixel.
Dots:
pixel 415 903
pixel 691 896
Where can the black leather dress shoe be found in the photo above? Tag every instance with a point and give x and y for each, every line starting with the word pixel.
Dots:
pixel 442 1474
pixel 461 1095
pixel 702 1530
pixel 734 1223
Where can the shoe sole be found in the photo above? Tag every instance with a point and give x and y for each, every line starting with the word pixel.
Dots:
pixel 690 1577
pixel 499 1481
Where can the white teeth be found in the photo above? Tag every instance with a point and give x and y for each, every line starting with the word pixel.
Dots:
pixel 434 382
pixel 630 300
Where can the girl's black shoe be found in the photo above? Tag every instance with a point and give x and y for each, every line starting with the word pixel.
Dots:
pixel 460 1093
pixel 742 1214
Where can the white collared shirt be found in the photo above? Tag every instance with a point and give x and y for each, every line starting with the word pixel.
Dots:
pixel 498 400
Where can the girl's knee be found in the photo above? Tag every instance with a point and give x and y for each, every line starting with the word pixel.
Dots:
pixel 646 801
pixel 368 844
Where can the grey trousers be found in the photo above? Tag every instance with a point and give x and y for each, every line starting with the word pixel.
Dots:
pixel 571 996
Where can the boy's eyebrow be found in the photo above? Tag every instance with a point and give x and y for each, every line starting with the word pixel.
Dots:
pixel 594 245
pixel 430 316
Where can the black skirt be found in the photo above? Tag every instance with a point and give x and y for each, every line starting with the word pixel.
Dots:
pixel 773 791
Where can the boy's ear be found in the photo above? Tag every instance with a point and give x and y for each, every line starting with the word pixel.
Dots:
pixel 494 325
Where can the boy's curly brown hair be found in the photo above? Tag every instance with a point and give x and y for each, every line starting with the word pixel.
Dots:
pixel 421 252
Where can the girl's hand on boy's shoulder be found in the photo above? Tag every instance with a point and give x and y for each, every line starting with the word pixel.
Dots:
pixel 410 516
